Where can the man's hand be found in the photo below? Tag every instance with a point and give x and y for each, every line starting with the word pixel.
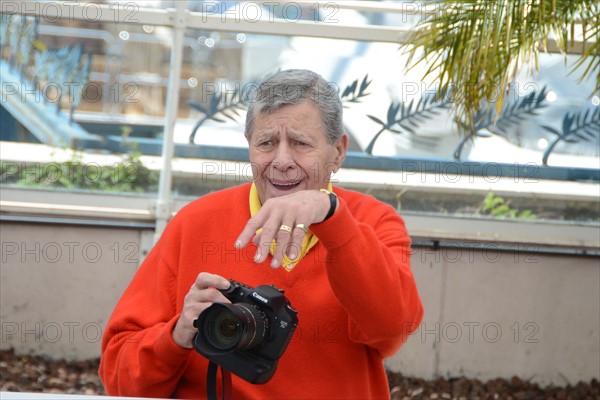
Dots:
pixel 202 294
pixel 280 215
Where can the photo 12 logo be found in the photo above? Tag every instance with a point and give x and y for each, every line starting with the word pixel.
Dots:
pixel 50 332
pixel 252 12
pixel 54 11
pixel 477 332
pixel 68 252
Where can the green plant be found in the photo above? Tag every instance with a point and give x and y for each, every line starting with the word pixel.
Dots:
pixel 499 207
pixel 477 47
pixel 129 174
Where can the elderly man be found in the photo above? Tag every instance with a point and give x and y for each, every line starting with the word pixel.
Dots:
pixel 342 258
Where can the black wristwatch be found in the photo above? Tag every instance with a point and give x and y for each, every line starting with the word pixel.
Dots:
pixel 332 203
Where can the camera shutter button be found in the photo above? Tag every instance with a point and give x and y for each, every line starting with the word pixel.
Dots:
pixel 292 309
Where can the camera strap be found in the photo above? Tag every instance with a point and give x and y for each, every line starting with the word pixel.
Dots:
pixel 211 382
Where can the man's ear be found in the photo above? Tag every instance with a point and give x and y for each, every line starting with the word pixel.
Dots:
pixel 341 147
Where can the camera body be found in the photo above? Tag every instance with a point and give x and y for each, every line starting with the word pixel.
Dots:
pixel 248 336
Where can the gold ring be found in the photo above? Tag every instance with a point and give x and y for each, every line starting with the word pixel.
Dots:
pixel 285 228
pixel 303 227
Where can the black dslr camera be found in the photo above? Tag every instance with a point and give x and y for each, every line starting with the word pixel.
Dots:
pixel 247 337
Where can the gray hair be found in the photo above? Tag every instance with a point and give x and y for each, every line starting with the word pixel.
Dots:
pixel 293 86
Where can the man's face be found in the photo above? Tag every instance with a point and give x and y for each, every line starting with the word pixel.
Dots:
pixel 289 151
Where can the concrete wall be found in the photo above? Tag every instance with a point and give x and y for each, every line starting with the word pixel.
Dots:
pixel 59 284
pixel 488 314
pixel 499 314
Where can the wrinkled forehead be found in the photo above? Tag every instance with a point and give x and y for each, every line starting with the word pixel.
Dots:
pixel 290 133
pixel 303 119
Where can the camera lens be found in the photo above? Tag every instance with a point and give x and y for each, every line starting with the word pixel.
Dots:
pixel 224 331
pixel 237 326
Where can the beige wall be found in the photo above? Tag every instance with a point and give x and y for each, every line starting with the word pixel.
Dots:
pixel 59 285
pixel 488 314
pixel 498 314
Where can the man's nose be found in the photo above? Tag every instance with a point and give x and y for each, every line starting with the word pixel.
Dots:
pixel 284 159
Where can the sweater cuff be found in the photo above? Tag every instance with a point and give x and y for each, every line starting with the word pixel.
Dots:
pixel 337 230
pixel 166 348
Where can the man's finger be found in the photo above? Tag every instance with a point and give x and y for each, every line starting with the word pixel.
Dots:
pixel 267 236
pixel 283 236
pixel 205 280
pixel 295 245
pixel 249 231
pixel 256 238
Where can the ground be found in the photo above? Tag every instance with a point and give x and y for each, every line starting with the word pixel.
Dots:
pixel 25 373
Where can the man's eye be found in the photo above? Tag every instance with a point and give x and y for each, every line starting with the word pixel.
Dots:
pixel 300 143
pixel 266 143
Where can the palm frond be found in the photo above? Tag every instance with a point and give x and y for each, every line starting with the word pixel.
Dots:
pixel 354 92
pixel 583 126
pixel 591 48
pixel 511 114
pixel 219 105
pixel 477 47
pixel 402 118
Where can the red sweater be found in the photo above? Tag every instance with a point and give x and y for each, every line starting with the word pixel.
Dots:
pixel 355 294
